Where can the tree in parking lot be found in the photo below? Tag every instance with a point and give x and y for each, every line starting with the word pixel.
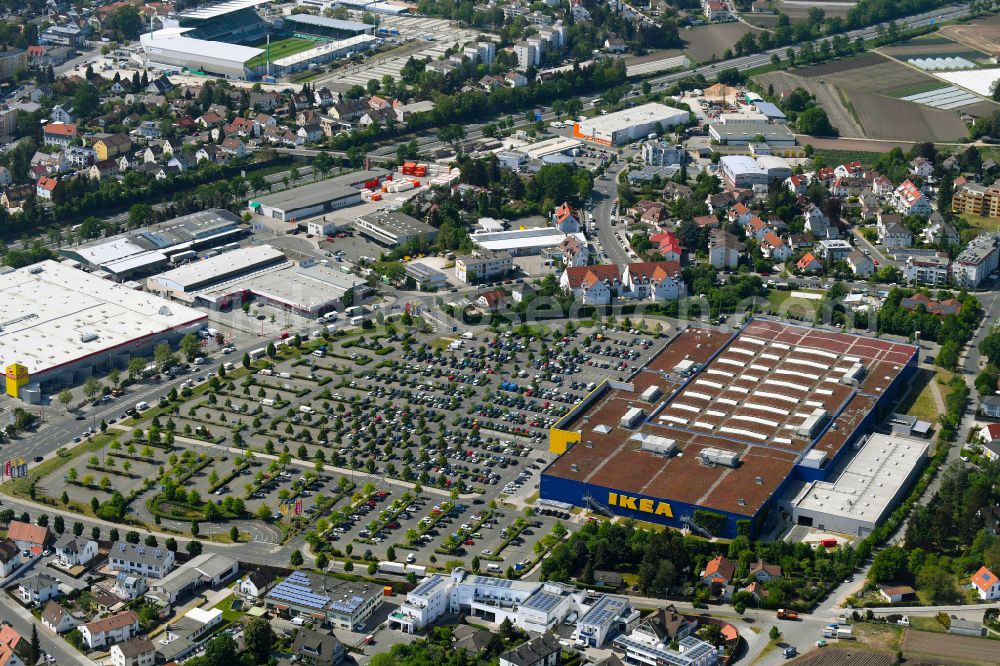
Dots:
pixel 65 397
pixel 296 558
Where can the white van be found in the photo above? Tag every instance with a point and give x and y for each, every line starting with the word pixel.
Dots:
pixel 306 409
pixel 493 568
pixel 228 366
pixel 199 361
pixel 141 406
pixel 267 402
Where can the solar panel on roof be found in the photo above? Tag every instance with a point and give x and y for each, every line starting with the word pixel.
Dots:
pixel 492 582
pixel 543 601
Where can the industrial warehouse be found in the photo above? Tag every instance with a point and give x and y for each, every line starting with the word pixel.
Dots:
pixel 717 426
pixel 627 125
pixel 58 324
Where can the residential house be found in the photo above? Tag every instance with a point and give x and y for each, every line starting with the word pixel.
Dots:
pixel 909 200
pixel 12 647
pixel 211 153
pixel 309 133
pixel 57 619
pixel 14 198
pixel 112 146
pixel 234 147
pixel 664 625
pixel 939 232
pixel 265 101
pixel 934 307
pixel 10 558
pixel 522 292
pixel 256 584
pixel 881 186
pixel 797 184
pixel 848 186
pixel 848 169
pixel 566 218
pixel 103 169
pixel 58 134
pixel 774 247
pixel 210 120
pixel 719 570
pixel 27 536
pixel 37 589
pixel 349 109
pixel 763 572
pixel 668 246
pixel 149 129
pixel 817 223
pixel 809 263
pixel 160 85
pixel 136 558
pixel 861 265
pixel 79 157
pixel 544 650
pixel 653 280
pixel 756 590
pixel 493 301
pixel 870 204
pixel 615 45
pixel 514 79
pixel 895 594
pixel 129 587
pixel 574 252
pixel 62 114
pixel 986 584
pixel 592 285
pixel 756 228
pixel 5 177
pixel 153 154
pixel 892 233
pixel 706 221
pixel 134 652
pixel 73 551
pixel 182 160
pixel 323 97
pixel 921 167
pixel 317 649
pixel 989 405
pixel 109 630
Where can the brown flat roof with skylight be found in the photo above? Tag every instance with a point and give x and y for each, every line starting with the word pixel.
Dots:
pixel 753 404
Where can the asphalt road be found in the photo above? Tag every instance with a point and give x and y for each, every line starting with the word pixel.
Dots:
pixel 605 195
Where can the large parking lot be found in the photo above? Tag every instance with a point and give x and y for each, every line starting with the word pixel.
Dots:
pixel 376 439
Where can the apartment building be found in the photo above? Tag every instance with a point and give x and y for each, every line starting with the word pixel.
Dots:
pixel 934 271
pixel 977 260
pixel 483 265
pixel 139 559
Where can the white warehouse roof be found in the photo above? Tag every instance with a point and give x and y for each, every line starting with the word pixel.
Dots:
pixel 170 41
pixel 53 314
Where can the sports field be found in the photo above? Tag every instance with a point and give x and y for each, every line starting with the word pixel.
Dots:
pixel 281 48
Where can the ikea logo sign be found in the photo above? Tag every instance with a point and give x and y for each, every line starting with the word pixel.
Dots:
pixel 640 504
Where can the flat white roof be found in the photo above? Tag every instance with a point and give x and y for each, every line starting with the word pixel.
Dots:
pixel 47 310
pixel 559 144
pixel 304 288
pixel 202 615
pixel 522 238
pixel 173 39
pixel 868 485
pixel 742 164
pixel 219 266
pixel 114 249
pixel 211 11
pixel 653 112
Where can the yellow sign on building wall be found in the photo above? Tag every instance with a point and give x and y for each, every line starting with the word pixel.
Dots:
pixel 17 376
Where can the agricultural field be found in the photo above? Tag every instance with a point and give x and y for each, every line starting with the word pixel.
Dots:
pixel 703 41
pixel 854 95
pixel 946 649
pixel 932 46
pixel 281 48
pixel 982 34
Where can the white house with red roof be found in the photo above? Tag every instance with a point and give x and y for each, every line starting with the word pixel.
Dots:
pixel 986 584
pixel 797 184
pixel 592 285
pixel 909 200
pixel 653 280
pixel 848 169
pixel 567 219
pixel 668 246
pixel 809 263
pixel 756 228
pixel 774 247
pixel 719 570
pixel 45 187
pixel 28 536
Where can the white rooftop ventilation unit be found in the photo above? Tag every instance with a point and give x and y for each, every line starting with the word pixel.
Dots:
pixel 812 423
pixel 632 417
pixel 853 374
pixel 658 445
pixel 719 457
pixel 88 336
pixel 651 394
